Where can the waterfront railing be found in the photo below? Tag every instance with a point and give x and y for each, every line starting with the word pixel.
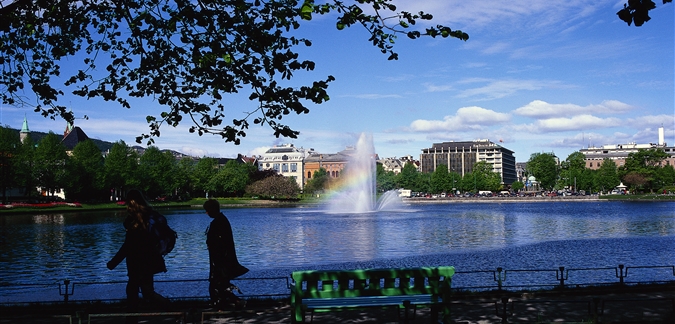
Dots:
pixel 499 279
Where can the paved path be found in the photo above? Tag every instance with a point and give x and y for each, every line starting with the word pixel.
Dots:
pixel 630 305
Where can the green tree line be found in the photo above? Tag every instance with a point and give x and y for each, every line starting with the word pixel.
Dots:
pixel 643 171
pixel 441 180
pixel 86 175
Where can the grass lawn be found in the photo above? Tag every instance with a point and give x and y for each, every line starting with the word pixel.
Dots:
pixel 193 203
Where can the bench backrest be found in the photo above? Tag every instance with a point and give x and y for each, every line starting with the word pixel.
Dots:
pixel 372 282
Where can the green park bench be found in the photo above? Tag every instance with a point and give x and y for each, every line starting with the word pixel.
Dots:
pixel 404 288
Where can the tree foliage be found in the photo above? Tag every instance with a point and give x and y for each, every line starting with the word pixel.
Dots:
pixel 635 179
pixel 205 169
pixel 231 180
pixel 318 182
pixel 646 164
pixel 85 172
pixel 50 163
pixel 156 172
pixel 441 180
pixel 186 55
pixel 573 173
pixel 276 186
pixel 637 11
pixel 10 145
pixel 486 179
pixel 607 177
pixel 517 186
pixel 665 177
pixel 25 167
pixel 408 178
pixel 543 167
pixel 121 169
pixel 184 178
pixel 386 180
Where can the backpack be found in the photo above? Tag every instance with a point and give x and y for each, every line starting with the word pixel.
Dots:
pixel 166 237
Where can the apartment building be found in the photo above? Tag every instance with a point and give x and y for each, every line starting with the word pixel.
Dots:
pixel 460 157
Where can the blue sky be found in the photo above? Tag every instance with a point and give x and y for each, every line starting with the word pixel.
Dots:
pixel 539 75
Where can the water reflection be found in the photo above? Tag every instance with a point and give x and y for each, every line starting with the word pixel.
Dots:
pixel 274 241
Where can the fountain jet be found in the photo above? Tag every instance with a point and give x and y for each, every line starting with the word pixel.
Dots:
pixel 358 194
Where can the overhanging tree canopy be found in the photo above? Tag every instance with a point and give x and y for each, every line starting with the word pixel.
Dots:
pixel 185 54
pixel 637 11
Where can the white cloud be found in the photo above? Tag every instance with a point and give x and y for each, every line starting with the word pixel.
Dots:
pixel 543 109
pixel 495 89
pixel 652 121
pixel 398 78
pixel 498 47
pixel 192 151
pixel 258 151
pixel 438 88
pixel 580 122
pixel 582 140
pixel 465 118
pixel 372 96
pixel 473 65
pixel 488 89
pixel 487 13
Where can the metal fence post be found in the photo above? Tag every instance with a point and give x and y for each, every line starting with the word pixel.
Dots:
pixel 620 273
pixel 498 277
pixel 562 276
pixel 66 293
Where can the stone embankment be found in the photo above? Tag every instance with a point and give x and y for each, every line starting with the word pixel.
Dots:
pixel 502 199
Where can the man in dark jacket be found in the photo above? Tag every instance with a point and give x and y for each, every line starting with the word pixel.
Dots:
pixel 224 265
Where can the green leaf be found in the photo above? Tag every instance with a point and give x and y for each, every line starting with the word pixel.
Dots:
pixel 340 26
pixel 306 10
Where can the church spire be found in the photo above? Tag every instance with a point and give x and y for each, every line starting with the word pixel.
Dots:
pixel 69 127
pixel 24 129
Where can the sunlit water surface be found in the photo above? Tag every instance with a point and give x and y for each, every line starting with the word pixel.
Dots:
pixel 46 249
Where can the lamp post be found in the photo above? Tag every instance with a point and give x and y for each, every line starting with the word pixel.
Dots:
pixel 474 181
pixel 453 181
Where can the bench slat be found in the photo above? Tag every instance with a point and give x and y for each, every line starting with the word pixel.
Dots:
pixel 326 290
pixel 336 303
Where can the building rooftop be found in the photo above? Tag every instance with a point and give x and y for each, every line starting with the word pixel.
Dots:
pixel 452 146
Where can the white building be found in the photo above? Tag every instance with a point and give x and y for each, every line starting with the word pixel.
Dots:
pixel 287 160
pixel 619 152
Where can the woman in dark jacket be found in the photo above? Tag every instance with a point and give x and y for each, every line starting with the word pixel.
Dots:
pixel 140 251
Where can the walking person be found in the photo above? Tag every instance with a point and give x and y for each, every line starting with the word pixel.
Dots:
pixel 224 265
pixel 140 251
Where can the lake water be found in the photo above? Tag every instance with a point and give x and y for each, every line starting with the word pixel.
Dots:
pixel 38 252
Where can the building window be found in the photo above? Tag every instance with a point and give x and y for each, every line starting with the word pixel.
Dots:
pixel 309 174
pixel 294 167
pixel 284 167
pixel 275 166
